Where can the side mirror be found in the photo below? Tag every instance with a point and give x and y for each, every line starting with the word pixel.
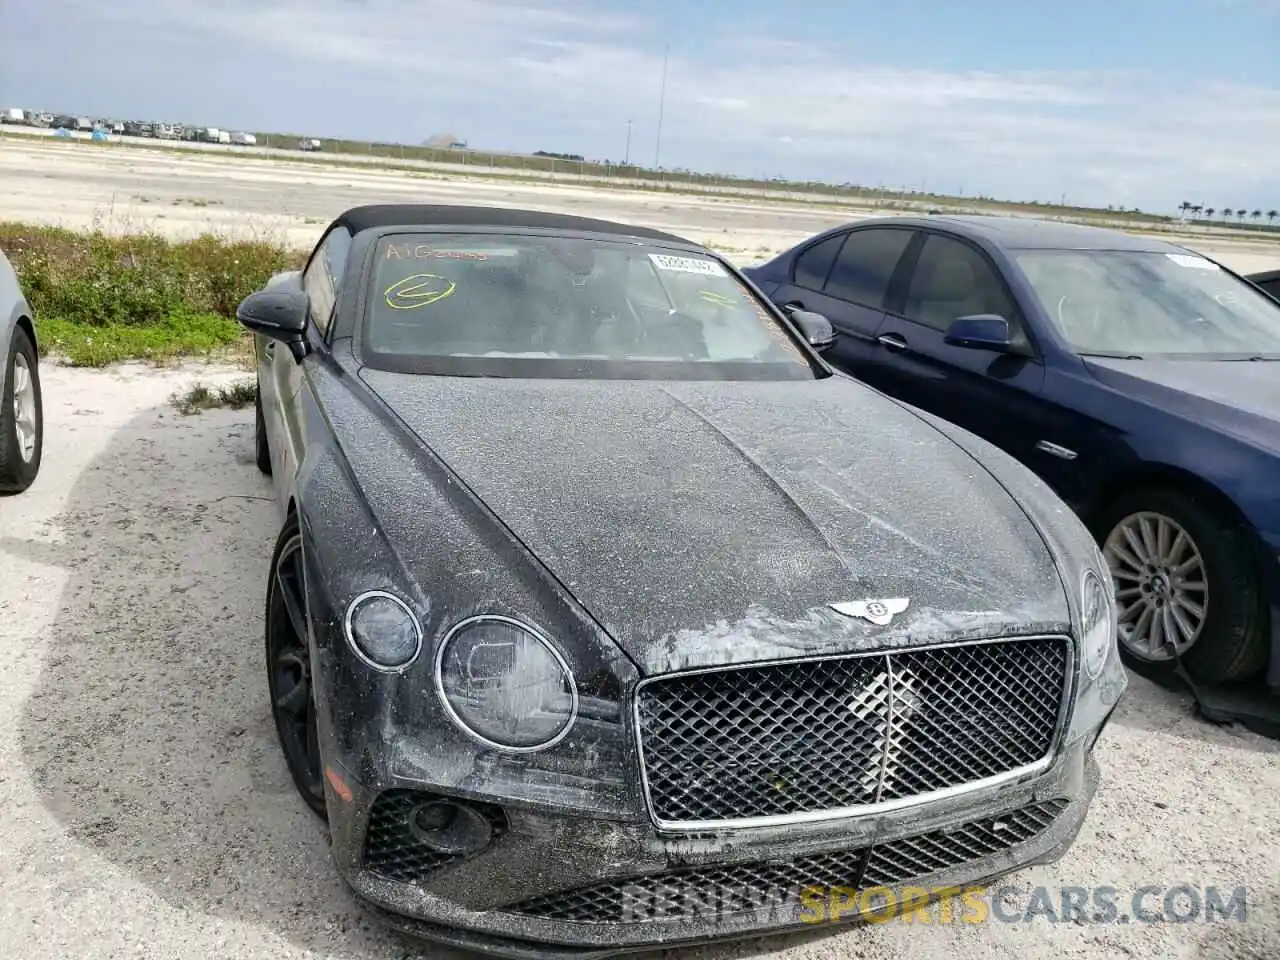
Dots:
pixel 981 331
pixel 278 314
pixel 815 328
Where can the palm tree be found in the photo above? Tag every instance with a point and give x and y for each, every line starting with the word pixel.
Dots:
pixel 1210 212
pixel 1183 207
pixel 1226 212
pixel 1256 215
pixel 1197 209
pixel 1271 215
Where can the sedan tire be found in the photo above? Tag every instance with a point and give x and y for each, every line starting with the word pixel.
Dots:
pixel 21 416
pixel 1187 586
pixel 293 702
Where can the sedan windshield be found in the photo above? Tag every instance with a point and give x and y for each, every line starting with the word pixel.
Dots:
pixel 484 304
pixel 1119 303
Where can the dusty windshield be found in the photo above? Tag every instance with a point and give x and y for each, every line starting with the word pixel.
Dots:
pixel 530 305
pixel 1152 304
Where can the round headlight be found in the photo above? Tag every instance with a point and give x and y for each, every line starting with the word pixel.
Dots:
pixel 383 631
pixel 1097 623
pixel 505 684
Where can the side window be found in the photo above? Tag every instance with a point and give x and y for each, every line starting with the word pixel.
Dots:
pixel 322 279
pixel 866 263
pixel 813 265
pixel 953 280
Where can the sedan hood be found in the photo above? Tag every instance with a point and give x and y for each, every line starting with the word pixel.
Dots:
pixel 1239 397
pixel 713 523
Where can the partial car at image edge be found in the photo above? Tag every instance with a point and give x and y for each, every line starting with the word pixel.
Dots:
pixel 1268 281
pixel 21 402
pixel 598 593
pixel 1135 376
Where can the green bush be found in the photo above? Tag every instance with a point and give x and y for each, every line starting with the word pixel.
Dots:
pixel 99 298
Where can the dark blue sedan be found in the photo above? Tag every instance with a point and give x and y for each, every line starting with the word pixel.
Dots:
pixel 1268 281
pixel 1140 380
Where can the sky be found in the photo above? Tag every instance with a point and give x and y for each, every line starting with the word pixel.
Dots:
pixel 1141 103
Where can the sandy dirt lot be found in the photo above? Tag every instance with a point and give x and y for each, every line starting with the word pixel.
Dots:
pixel 147 810
pixel 148 813
pixel 183 193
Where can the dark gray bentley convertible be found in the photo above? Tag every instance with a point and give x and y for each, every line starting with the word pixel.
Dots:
pixel 605 615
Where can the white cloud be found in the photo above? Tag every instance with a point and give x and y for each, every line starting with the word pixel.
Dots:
pixel 500 71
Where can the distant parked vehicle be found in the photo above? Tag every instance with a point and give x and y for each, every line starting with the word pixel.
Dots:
pixel 64 122
pixel 1269 281
pixel 21 408
pixel 309 143
pixel 83 124
pixel 1136 377
pixel 244 139
pixel 14 115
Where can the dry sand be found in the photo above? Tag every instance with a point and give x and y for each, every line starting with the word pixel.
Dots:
pixel 181 193
pixel 147 811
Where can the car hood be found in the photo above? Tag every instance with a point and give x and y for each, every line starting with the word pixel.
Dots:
pixel 712 523
pixel 1239 397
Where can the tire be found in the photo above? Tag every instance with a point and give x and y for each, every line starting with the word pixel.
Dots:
pixel 1232 641
pixel 20 462
pixel 262 447
pixel 288 663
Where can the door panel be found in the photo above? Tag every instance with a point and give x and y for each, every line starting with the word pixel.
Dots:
pixel 322 282
pixel 999 397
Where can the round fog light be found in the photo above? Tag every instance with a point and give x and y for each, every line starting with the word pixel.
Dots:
pixel 450 828
pixel 383 631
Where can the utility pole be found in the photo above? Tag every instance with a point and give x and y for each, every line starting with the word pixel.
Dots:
pixel 627 161
pixel 662 100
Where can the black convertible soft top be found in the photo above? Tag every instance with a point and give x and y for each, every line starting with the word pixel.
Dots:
pixel 377 215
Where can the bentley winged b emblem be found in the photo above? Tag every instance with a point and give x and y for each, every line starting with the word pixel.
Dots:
pixel 879 612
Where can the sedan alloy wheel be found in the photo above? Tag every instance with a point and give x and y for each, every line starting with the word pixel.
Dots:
pixel 1162 592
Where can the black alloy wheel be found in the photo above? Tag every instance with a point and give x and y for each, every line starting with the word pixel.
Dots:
pixel 289 668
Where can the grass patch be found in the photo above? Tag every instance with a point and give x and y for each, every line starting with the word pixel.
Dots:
pixel 100 298
pixel 200 397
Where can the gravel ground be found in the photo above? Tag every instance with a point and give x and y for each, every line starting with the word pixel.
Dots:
pixel 147 810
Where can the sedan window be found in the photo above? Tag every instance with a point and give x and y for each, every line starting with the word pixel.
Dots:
pixel 952 280
pixel 865 266
pixel 813 265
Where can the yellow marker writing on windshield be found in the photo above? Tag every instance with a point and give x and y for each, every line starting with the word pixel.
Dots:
pixel 719 299
pixel 419 290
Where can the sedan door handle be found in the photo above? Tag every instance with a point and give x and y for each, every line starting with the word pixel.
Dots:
pixel 892 341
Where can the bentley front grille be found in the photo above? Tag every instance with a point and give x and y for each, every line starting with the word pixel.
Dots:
pixel 810 739
pixel 701 893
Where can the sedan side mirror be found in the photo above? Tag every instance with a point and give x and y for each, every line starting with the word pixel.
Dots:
pixel 981 331
pixel 816 328
pixel 278 314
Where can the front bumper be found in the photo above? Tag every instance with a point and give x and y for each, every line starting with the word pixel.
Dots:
pixel 555 886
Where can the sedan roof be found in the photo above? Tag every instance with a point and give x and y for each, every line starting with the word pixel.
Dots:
pixel 1028 233
pixel 379 215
